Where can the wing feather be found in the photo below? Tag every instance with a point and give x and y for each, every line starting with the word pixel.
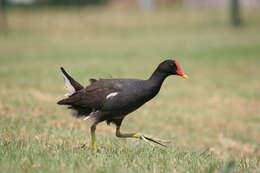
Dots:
pixel 93 96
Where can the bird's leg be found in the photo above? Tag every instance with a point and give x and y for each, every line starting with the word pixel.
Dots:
pixel 93 137
pixel 146 138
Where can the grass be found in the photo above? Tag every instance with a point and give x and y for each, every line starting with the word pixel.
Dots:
pixel 212 119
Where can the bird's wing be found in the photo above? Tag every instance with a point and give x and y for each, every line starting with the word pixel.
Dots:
pixel 94 95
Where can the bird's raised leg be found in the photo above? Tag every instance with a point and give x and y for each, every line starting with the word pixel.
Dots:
pixel 143 137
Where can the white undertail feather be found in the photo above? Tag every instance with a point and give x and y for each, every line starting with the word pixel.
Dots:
pixel 111 95
pixel 71 90
pixel 93 117
pixel 86 118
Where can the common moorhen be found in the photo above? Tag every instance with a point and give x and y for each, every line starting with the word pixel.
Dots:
pixel 111 100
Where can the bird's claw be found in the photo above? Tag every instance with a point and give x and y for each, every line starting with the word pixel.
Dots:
pixel 151 140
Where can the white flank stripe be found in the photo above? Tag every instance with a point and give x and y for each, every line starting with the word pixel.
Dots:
pixel 111 95
pixel 69 87
pixel 92 117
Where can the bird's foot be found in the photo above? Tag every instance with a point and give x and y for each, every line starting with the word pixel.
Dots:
pixel 86 146
pixel 95 149
pixel 151 140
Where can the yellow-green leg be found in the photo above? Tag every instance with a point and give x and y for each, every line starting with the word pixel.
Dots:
pixel 146 138
pixel 93 137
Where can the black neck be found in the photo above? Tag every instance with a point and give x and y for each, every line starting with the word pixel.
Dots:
pixel 158 77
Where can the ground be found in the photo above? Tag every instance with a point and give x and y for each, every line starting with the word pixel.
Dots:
pixel 212 119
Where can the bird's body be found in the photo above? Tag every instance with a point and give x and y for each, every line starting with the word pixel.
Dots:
pixel 111 100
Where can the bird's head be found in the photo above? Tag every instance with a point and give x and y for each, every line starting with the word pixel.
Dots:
pixel 172 67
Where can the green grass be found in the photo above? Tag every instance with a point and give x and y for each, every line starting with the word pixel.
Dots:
pixel 212 119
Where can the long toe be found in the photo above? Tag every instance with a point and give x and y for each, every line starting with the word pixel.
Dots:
pixel 158 140
pixel 151 140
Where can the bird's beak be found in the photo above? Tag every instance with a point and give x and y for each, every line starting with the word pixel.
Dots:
pixel 185 76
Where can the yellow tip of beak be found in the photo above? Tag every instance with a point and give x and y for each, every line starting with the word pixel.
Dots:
pixel 185 76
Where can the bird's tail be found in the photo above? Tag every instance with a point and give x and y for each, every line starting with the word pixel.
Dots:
pixel 71 85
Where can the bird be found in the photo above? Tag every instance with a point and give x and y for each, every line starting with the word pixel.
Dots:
pixel 112 99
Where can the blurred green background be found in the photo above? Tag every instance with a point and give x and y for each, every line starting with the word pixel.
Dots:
pixel 212 119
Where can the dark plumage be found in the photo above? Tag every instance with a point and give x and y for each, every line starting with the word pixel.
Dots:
pixel 111 100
